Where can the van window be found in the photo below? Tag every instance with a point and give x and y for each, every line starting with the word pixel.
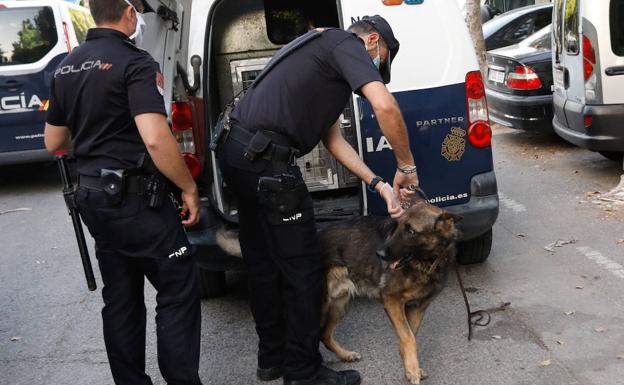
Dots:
pixel 558 28
pixel 81 21
pixel 288 19
pixel 571 37
pixel 616 19
pixel 26 34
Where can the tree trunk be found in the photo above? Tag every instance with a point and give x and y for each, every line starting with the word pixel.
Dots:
pixel 473 19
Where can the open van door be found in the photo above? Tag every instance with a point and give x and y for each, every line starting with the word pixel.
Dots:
pixel 32 46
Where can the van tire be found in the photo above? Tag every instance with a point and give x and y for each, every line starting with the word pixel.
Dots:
pixel 212 283
pixel 475 250
pixel 615 156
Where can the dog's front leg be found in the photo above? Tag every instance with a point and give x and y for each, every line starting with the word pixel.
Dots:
pixel 415 316
pixel 395 308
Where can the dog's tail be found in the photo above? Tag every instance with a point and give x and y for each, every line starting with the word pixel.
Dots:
pixel 228 241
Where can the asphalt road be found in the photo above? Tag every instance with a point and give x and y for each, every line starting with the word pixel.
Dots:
pixel 564 324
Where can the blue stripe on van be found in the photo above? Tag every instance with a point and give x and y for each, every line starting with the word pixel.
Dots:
pixel 23 130
pixel 430 116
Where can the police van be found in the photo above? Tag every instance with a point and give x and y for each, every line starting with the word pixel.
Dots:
pixel 34 37
pixel 216 48
pixel 588 70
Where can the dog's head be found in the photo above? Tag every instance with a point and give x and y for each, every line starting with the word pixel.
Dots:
pixel 422 233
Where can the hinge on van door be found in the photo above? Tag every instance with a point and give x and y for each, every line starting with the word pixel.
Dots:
pixel 169 15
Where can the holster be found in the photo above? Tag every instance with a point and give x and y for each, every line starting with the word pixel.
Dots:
pixel 282 194
pixel 114 185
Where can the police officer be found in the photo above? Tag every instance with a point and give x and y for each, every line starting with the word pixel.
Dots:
pixel 106 104
pixel 295 103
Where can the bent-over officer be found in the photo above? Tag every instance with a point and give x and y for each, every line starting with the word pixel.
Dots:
pixel 293 104
pixel 106 103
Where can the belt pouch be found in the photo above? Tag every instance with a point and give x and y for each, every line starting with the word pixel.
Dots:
pixel 257 146
pixel 220 133
pixel 114 185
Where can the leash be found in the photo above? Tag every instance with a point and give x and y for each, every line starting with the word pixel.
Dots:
pixel 475 318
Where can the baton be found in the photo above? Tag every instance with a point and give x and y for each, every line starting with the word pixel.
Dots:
pixel 68 194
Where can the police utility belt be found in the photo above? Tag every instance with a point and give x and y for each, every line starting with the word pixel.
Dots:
pixel 117 183
pixel 266 145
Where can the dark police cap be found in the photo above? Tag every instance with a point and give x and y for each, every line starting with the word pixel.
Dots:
pixel 383 28
pixel 147 8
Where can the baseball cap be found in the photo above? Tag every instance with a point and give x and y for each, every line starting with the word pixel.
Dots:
pixel 147 8
pixel 383 28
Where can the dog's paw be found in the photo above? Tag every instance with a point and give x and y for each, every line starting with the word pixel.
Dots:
pixel 351 356
pixel 415 376
pixel 423 374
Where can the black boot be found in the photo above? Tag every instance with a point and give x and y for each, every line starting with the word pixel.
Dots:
pixel 326 376
pixel 269 374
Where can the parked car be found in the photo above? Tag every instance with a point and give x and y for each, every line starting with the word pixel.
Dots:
pixel 519 84
pixel 34 37
pixel 588 67
pixel 514 26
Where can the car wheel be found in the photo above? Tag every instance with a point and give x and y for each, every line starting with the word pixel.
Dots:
pixel 475 250
pixel 212 283
pixel 615 156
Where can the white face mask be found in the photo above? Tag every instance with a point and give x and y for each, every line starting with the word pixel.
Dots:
pixel 377 59
pixel 137 36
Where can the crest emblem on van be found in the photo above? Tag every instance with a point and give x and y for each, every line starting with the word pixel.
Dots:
pixel 454 145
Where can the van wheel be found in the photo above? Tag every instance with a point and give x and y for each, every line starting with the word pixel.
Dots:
pixel 212 283
pixel 475 250
pixel 615 156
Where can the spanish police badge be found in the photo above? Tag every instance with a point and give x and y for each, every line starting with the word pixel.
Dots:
pixel 160 83
pixel 454 144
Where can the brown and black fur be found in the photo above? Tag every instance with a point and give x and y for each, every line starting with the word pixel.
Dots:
pixel 360 255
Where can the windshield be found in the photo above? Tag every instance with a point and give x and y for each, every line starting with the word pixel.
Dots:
pixel 539 40
pixel 26 34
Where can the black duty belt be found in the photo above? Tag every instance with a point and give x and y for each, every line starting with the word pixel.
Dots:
pixel 133 183
pixel 263 144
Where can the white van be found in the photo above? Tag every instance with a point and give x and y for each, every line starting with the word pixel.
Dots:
pixel 588 69
pixel 34 37
pixel 435 80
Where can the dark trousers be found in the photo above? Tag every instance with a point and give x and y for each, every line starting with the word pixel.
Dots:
pixel 178 312
pixel 285 268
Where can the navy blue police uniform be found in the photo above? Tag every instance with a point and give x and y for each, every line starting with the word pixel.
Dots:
pixel 283 115
pixel 96 92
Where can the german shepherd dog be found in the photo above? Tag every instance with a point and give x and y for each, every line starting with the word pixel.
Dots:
pixel 402 263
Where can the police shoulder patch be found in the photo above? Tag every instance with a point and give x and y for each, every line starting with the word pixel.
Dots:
pixel 160 83
pixel 454 145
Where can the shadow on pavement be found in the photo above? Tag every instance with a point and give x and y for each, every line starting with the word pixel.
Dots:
pixel 29 176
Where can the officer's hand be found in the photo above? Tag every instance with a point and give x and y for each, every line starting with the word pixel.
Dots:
pixel 190 206
pixel 402 184
pixel 394 206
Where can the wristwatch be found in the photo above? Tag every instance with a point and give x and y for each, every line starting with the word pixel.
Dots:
pixel 377 179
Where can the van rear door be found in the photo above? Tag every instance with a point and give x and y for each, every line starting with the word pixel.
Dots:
pixel 612 55
pixel 32 45
pixel 429 82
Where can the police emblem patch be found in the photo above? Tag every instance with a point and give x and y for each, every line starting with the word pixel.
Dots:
pixel 454 145
pixel 160 83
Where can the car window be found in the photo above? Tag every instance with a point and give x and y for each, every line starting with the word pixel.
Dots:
pixel 26 34
pixel 616 19
pixel 571 36
pixel 539 40
pixel 81 21
pixel 543 18
pixel 558 28
pixel 520 30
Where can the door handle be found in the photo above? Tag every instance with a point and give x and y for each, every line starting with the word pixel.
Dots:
pixel 11 84
pixel 615 71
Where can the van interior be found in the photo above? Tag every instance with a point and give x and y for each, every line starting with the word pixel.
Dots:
pixel 242 37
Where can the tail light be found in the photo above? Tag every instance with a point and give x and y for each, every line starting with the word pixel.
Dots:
pixel 588 120
pixel 479 130
pixel 523 78
pixel 182 128
pixel 589 58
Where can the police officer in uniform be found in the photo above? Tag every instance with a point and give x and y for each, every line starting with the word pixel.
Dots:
pixel 106 104
pixel 293 104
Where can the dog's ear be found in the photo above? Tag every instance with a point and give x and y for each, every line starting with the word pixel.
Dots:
pixel 389 226
pixel 454 217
